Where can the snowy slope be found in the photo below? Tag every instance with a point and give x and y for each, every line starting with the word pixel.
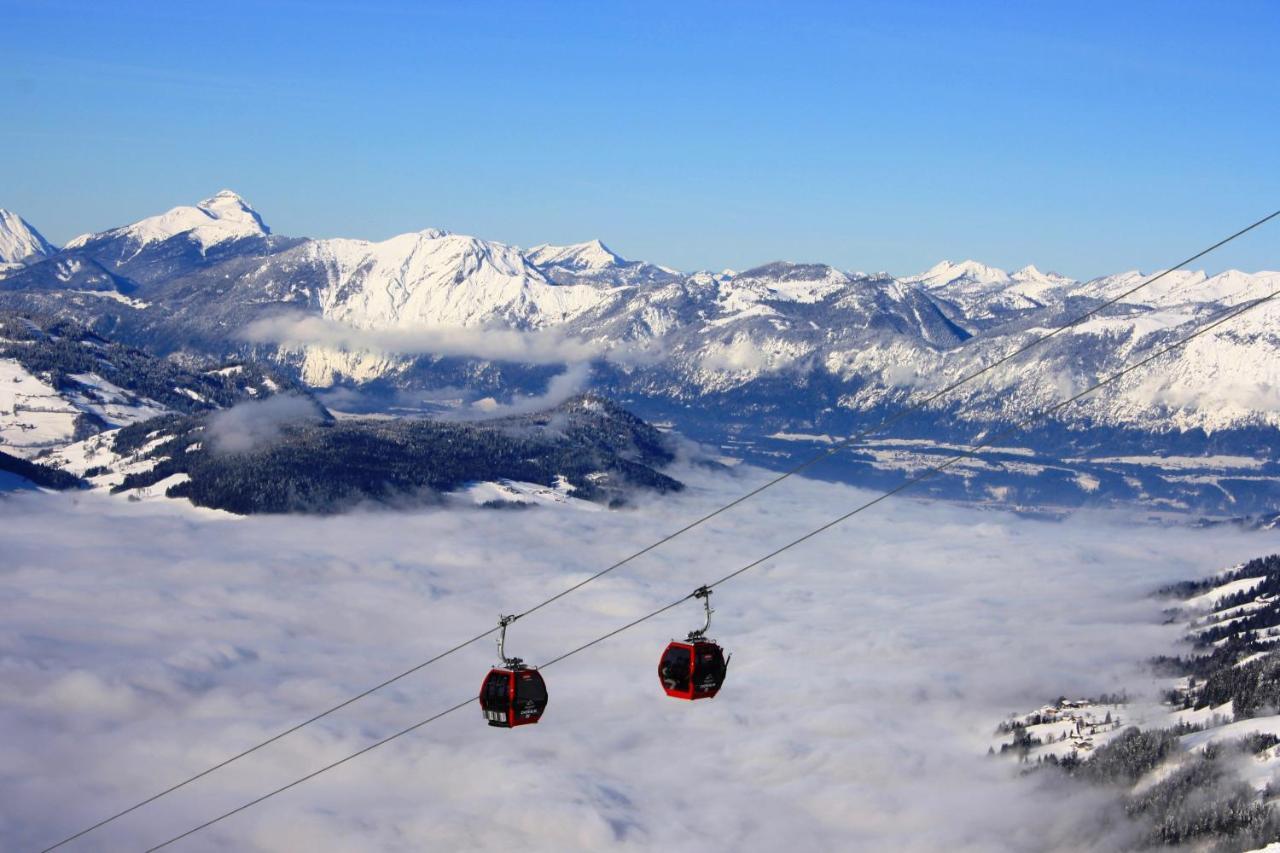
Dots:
pixel 20 242
pixel 879 337
pixel 963 274
pixel 719 332
pixel 980 292
pixel 435 278
pixel 1223 379
pixel 973 277
pixel 596 264
pixel 61 383
pixel 592 255
pixel 223 217
pixel 35 416
pixel 1183 287
pixel 107 469
pixel 1202 763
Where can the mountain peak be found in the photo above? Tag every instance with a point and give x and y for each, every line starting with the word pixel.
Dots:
pixel 597 247
pixel 19 241
pixel 591 255
pixel 227 195
pixel 1033 274
pixel 967 271
pixel 793 271
pixel 229 206
pixel 221 217
pixel 436 234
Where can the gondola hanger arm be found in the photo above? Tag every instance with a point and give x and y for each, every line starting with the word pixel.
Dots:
pixel 503 622
pixel 703 592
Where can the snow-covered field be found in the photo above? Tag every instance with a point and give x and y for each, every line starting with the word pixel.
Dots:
pixel 142 642
pixel 35 416
pixel 32 413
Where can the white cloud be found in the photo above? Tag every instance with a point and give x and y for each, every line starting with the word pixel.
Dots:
pixel 561 387
pixel 527 347
pixel 143 642
pixel 252 424
pixel 743 355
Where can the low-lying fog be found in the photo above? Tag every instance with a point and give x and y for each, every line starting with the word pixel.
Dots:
pixel 143 642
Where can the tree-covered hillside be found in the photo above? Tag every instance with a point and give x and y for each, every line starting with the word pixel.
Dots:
pixel 60 350
pixel 40 475
pixel 1199 773
pixel 317 464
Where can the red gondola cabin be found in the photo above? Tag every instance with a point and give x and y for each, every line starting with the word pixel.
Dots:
pixel 513 697
pixel 693 669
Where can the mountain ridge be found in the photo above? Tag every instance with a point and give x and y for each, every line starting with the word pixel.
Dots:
pixel 782 348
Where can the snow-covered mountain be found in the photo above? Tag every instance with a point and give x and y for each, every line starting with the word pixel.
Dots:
pixel 734 358
pixel 218 219
pixel 435 278
pixel 590 256
pixel 595 263
pixel 19 242
pixel 979 293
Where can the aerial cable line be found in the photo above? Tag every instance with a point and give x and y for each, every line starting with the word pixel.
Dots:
pixel 825 453
pixel 1223 317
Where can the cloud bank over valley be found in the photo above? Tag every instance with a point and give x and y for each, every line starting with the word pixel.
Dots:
pixel 144 642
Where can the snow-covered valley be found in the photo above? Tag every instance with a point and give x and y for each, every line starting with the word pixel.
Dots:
pixel 145 641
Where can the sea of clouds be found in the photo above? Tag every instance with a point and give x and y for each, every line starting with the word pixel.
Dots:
pixel 143 642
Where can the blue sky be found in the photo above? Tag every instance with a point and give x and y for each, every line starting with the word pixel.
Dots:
pixel 1083 137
